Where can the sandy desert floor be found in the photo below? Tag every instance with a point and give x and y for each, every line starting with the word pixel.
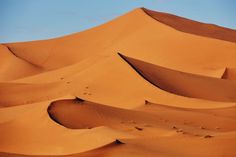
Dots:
pixel 144 84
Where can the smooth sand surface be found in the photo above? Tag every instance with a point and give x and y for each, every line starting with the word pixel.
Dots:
pixel 185 84
pixel 193 27
pixel 144 84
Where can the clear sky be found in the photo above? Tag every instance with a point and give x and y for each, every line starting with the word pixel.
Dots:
pixel 24 20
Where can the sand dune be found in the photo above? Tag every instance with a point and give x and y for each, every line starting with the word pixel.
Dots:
pixel 199 117
pixel 131 91
pixel 144 38
pixel 164 146
pixel 184 126
pixel 185 84
pixel 80 114
pixel 170 91
pixel 19 93
pixel 27 129
pixel 194 27
pixel 13 67
pixel 77 113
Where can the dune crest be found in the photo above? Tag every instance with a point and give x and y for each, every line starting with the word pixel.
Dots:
pixel 173 87
pixel 194 27
pixel 184 84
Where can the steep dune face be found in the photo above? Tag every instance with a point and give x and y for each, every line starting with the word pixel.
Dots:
pixel 27 129
pixel 194 27
pixel 229 74
pixel 173 127
pixel 74 96
pixel 144 34
pixel 97 82
pixel 78 113
pixel 185 84
pixel 13 67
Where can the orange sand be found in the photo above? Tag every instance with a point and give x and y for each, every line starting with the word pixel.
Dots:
pixel 144 84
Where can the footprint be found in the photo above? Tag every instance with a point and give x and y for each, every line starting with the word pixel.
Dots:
pixel 119 142
pixel 207 136
pixel 174 127
pixel 203 128
pixel 138 128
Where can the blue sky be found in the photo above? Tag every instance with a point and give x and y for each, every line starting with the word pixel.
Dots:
pixel 25 20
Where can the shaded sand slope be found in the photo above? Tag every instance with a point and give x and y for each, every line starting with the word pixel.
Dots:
pixel 185 84
pixel 229 74
pixel 170 147
pixel 27 129
pixel 164 146
pixel 190 127
pixel 78 113
pixel 98 83
pixel 136 38
pixel 210 119
pixel 184 105
pixel 194 27
pixel 12 67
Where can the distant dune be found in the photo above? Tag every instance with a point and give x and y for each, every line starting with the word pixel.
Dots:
pixel 144 84
pixel 193 27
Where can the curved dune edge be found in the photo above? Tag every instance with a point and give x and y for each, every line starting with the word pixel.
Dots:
pixel 185 129
pixel 95 151
pixel 193 27
pixel 161 146
pixel 121 34
pixel 132 85
pixel 52 139
pixel 195 124
pixel 229 74
pixel 184 84
pixel 185 111
pixel 224 111
pixel 80 114
pixel 13 67
pixel 213 119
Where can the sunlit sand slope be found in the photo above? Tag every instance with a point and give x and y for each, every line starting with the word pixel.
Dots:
pixel 143 84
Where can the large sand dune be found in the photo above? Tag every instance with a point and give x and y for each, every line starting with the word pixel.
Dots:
pixel 144 84
pixel 194 27
pixel 185 84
